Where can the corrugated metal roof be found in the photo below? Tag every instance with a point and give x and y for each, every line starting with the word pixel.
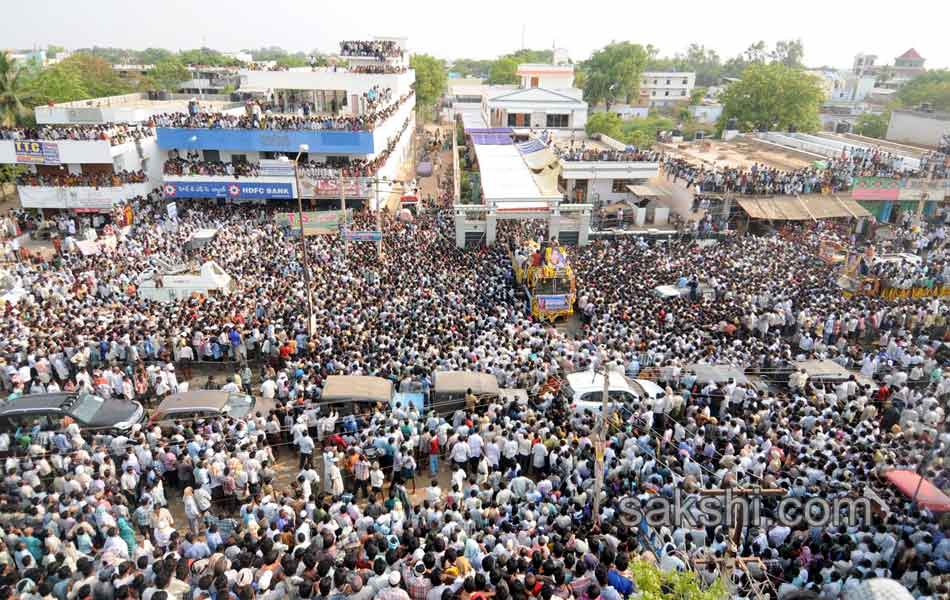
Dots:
pixel 802 208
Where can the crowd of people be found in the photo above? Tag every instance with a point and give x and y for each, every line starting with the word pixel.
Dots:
pixel 580 152
pixel 379 49
pixel 833 175
pixel 261 115
pixel 366 511
pixel 379 69
pixel 115 134
pixel 193 164
pixel 67 179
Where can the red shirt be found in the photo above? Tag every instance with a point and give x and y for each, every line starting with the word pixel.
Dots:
pixel 434 446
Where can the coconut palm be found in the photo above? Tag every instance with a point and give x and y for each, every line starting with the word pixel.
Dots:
pixel 13 91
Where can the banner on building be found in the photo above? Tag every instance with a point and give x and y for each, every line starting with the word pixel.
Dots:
pixel 363 236
pixel 276 168
pixel 37 153
pixel 314 223
pixel 887 188
pixel 235 189
pixel 329 187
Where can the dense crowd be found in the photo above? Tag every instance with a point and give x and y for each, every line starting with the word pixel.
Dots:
pixel 581 152
pixel 87 514
pixel 383 69
pixel 260 115
pixel 193 164
pixel 380 50
pixel 834 175
pixel 115 134
pixel 67 179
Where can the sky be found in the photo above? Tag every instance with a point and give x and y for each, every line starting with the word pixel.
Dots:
pixel 832 32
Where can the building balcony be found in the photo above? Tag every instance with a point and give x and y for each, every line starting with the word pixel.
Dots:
pixel 61 152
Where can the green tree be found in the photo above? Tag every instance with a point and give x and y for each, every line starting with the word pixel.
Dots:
pixel 654 584
pixel 153 56
pixel 14 92
pixel 167 75
pixel 642 132
pixel 872 125
pixel 607 123
pixel 99 79
pixel 206 57
pixel 697 95
pixel 932 87
pixel 773 96
pixel 503 71
pixel 613 73
pixel 62 82
pixel 467 67
pixel 789 52
pixel 431 78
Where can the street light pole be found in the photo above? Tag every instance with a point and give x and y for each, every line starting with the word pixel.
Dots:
pixel 305 260
pixel 600 442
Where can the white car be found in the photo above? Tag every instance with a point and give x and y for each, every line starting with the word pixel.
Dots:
pixel 585 390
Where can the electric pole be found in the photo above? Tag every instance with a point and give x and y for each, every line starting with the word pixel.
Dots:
pixel 600 443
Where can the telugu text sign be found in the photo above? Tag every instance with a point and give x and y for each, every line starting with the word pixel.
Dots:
pixel 875 188
pixel 37 153
pixel 234 189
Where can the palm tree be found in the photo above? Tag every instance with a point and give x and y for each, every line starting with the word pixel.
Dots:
pixel 12 91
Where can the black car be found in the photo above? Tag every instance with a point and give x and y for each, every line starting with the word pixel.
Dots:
pixel 51 410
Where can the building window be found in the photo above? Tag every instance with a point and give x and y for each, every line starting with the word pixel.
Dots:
pixel 644 82
pixel 686 82
pixel 656 81
pixel 666 93
pixel 667 82
pixel 653 93
pixel 557 120
pixel 682 92
pixel 511 120
pixel 619 186
pixel 211 155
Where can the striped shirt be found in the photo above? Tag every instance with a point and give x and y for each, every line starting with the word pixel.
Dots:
pixel 361 470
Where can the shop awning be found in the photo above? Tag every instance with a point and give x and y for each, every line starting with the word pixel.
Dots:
pixel 929 496
pixel 647 191
pixel 540 159
pixel 802 208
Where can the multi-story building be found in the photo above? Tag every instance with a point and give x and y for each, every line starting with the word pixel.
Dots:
pixel 665 88
pixel 349 126
pixel 864 64
pixel 88 156
pixel 546 99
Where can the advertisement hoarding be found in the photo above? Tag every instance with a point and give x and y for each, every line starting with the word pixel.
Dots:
pixel 234 189
pixel 553 302
pixel 329 187
pixel 314 223
pixel 36 153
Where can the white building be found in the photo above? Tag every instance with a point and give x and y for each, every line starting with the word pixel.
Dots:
pixel 706 113
pixel 545 100
pixel 844 86
pixel 660 88
pixel 918 127
pixel 124 143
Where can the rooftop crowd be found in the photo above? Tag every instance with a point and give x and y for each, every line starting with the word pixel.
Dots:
pixel 581 152
pixel 380 50
pixel 115 134
pixel 260 115
pixel 67 179
pixel 86 514
pixel 836 175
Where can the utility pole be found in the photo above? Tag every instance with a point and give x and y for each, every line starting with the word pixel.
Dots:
pixel 305 260
pixel 600 442
pixel 343 210
pixel 379 219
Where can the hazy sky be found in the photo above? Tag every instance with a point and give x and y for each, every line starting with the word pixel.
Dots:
pixel 832 32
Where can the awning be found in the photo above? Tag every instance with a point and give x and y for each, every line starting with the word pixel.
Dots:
pixel 647 191
pixel 802 208
pixel 540 159
pixel 929 496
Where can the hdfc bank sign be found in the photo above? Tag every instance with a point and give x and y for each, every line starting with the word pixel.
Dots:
pixel 233 190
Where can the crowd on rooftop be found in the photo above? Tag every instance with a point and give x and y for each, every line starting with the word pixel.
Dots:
pixel 832 175
pixel 379 49
pixel 580 152
pixel 365 513
pixel 115 134
pixel 262 115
